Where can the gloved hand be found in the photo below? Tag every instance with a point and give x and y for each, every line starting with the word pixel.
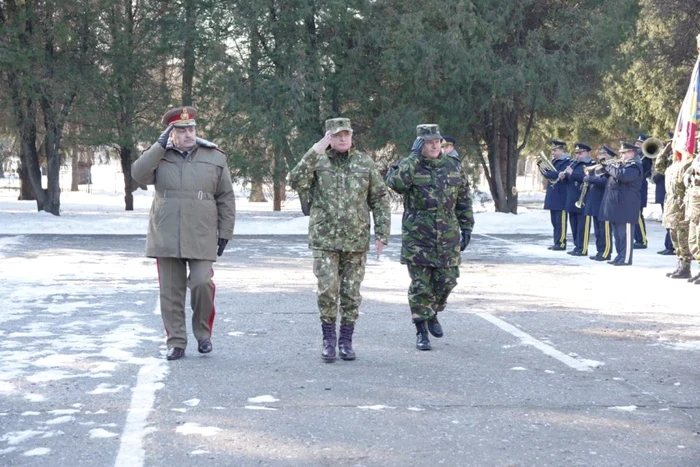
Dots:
pixel 466 238
pixel 163 138
pixel 417 146
pixel 222 245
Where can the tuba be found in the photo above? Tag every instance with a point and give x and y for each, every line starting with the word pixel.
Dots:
pixel 653 148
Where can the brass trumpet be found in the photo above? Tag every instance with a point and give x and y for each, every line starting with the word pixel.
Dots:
pixel 601 164
pixel 584 189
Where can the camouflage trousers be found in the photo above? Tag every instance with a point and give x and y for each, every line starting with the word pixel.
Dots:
pixel 339 275
pixel 680 239
pixel 692 214
pixel 429 290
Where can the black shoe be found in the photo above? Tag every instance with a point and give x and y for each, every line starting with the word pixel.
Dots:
pixel 434 326
pixel 576 253
pixel 694 278
pixel 639 246
pixel 345 342
pixel 614 261
pixel 595 258
pixel 422 341
pixel 622 263
pixel 558 248
pixel 666 252
pixel 329 342
pixel 204 345
pixel 175 353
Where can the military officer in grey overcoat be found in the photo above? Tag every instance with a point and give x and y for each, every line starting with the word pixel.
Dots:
pixel 190 223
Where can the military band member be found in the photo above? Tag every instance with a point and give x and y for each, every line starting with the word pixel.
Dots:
pixel 658 177
pixel 640 229
pixel 190 223
pixel 622 200
pixel 555 198
pixel 343 187
pixel 597 180
pixel 573 177
pixel 437 225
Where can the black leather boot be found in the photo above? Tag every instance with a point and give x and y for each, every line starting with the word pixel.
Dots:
pixel 695 278
pixel 345 342
pixel 329 342
pixel 434 326
pixel 422 341
pixel 683 271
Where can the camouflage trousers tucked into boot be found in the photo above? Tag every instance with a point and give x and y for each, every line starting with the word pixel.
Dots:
pixel 430 287
pixel 345 342
pixel 329 342
pixel 422 340
pixel 683 271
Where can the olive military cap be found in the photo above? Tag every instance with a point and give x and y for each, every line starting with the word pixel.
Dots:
pixel 180 117
pixel 336 125
pixel 428 131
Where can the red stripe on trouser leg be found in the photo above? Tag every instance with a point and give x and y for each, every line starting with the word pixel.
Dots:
pixel 167 333
pixel 213 304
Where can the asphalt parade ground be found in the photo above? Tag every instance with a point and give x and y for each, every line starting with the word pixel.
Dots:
pixel 547 360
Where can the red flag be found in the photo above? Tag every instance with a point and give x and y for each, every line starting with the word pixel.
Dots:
pixel 688 117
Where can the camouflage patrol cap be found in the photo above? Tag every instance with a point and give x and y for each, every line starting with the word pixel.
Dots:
pixel 428 131
pixel 336 125
pixel 180 117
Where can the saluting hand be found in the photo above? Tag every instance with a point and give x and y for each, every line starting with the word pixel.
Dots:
pixel 322 144
pixel 165 136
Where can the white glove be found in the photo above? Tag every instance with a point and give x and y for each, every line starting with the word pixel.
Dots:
pixel 320 147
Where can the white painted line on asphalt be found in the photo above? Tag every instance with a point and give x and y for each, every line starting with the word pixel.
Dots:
pixel 546 349
pixel 496 238
pixel 131 451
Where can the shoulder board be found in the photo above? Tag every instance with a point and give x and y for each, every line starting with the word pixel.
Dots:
pixel 206 144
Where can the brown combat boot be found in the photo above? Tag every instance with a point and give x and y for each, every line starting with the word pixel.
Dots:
pixel 329 342
pixel 345 342
pixel 683 271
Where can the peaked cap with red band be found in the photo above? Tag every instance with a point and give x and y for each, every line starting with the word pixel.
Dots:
pixel 180 117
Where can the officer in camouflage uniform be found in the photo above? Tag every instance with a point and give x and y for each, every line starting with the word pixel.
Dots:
pixel 437 207
pixel 342 186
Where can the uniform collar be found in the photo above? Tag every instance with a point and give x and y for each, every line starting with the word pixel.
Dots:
pixel 563 157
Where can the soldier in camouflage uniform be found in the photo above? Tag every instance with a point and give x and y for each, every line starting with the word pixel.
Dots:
pixel 437 208
pixel 342 186
pixel 691 180
pixel 674 215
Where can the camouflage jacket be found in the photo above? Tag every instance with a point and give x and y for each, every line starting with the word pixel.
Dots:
pixel 437 205
pixel 674 204
pixel 342 190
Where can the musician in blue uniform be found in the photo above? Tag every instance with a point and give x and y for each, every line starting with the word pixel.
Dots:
pixel 640 229
pixel 573 177
pixel 597 180
pixel 658 176
pixel 555 198
pixel 622 201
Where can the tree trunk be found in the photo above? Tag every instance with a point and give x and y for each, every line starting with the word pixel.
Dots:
pixel 75 173
pixel 125 156
pixel 256 192
pixel 26 192
pixel 189 51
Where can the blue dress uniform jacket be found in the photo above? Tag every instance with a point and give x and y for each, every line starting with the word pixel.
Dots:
pixel 574 184
pixel 596 190
pixel 555 199
pixel 660 187
pixel 622 199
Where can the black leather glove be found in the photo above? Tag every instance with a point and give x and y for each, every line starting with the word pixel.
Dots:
pixel 417 146
pixel 222 245
pixel 163 138
pixel 466 238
